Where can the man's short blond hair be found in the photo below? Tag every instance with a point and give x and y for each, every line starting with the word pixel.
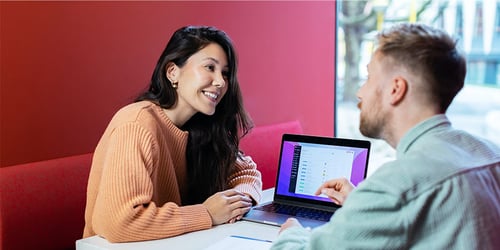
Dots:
pixel 428 53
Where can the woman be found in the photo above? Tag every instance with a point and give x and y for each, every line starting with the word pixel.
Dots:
pixel 169 163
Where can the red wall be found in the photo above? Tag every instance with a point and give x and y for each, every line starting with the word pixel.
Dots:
pixel 66 67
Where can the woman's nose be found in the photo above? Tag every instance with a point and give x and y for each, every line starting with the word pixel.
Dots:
pixel 219 82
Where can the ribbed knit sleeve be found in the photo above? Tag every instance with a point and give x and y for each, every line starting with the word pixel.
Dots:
pixel 137 179
pixel 246 178
pixel 124 210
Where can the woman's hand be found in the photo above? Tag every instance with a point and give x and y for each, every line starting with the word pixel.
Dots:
pixel 227 206
pixel 336 189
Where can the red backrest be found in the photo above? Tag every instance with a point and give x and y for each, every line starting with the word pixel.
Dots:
pixel 263 145
pixel 42 203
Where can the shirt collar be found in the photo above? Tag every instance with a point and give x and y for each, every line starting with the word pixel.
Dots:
pixel 419 130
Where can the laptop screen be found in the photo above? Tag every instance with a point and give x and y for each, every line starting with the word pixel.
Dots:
pixel 308 161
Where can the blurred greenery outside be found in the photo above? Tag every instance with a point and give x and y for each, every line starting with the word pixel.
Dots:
pixel 476 26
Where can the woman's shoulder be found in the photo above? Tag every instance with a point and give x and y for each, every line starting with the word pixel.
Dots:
pixel 147 115
pixel 137 111
pixel 143 114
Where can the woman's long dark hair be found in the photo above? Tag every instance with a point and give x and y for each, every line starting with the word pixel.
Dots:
pixel 212 146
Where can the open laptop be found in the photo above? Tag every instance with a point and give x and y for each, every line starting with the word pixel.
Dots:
pixel 305 163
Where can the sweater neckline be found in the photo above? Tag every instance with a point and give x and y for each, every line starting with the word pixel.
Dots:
pixel 161 112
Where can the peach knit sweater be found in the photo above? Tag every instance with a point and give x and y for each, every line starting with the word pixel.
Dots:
pixel 138 179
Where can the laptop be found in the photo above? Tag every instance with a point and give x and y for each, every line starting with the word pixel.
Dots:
pixel 305 163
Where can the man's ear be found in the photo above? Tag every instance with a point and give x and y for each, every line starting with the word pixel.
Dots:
pixel 172 72
pixel 399 89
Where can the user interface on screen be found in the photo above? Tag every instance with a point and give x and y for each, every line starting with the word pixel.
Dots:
pixel 305 166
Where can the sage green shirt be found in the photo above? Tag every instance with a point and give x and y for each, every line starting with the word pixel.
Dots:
pixel 441 192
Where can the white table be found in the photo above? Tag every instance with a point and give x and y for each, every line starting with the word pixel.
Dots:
pixel 195 240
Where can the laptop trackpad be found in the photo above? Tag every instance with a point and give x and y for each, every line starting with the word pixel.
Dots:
pixel 277 219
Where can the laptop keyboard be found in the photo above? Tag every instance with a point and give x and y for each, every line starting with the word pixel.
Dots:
pixel 309 213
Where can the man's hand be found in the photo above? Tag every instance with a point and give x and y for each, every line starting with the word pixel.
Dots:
pixel 290 222
pixel 336 189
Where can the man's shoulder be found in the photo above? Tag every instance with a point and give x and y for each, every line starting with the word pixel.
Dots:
pixel 452 150
pixel 419 173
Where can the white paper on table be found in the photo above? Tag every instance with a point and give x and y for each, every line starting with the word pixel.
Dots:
pixel 243 243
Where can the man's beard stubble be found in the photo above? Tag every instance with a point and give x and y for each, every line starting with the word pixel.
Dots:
pixel 371 122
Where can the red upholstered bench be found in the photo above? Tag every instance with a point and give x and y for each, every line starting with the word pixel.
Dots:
pixel 42 203
pixel 263 145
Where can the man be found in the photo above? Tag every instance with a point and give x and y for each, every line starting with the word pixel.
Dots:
pixel 443 190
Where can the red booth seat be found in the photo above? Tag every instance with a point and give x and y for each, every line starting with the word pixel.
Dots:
pixel 42 203
pixel 263 145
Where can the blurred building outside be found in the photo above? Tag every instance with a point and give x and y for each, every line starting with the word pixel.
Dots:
pixel 475 24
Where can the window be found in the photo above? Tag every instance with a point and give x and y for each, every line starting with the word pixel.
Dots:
pixel 475 23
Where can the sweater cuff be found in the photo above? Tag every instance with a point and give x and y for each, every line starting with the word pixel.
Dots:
pixel 254 193
pixel 195 217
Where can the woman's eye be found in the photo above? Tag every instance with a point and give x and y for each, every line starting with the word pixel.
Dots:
pixel 210 67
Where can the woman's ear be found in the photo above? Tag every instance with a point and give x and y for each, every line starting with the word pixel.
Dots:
pixel 399 89
pixel 172 72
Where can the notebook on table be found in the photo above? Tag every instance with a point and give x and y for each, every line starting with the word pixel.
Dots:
pixel 305 163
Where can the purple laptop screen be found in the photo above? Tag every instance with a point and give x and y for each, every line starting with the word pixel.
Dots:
pixel 305 166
